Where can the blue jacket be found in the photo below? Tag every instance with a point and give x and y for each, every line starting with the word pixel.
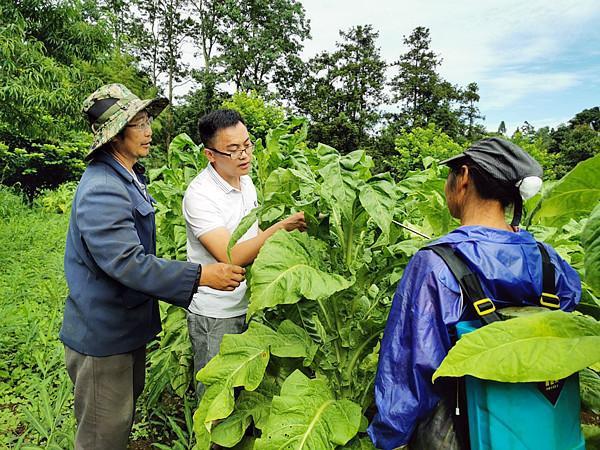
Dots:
pixel 113 275
pixel 428 303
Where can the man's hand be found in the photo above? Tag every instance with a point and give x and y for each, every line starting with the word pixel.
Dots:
pixel 225 277
pixel 294 222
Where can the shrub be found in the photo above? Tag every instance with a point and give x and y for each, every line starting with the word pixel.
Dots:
pixel 259 115
pixel 413 147
pixel 32 166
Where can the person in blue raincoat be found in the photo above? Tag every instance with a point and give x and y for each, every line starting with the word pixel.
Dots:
pixel 483 181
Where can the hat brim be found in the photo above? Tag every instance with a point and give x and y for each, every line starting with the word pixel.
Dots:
pixel 456 158
pixel 120 119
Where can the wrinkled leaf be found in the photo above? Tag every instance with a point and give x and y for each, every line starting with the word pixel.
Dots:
pixel 249 406
pixel 590 240
pixel 306 415
pixel 335 189
pixel 538 347
pixel 574 196
pixel 242 361
pixel 288 267
pixel 293 342
pixel 378 197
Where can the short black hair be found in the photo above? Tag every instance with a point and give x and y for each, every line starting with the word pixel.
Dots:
pixel 486 186
pixel 216 120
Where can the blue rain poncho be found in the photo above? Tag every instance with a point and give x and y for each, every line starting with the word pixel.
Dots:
pixel 428 303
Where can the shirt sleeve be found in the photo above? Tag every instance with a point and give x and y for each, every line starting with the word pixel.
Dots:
pixel 202 213
pixel 415 342
pixel 107 226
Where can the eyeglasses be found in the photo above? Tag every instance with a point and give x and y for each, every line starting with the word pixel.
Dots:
pixel 141 126
pixel 236 154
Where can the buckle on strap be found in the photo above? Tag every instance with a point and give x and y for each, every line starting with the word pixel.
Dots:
pixel 550 300
pixel 488 307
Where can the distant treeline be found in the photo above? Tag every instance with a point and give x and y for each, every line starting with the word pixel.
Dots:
pixel 54 53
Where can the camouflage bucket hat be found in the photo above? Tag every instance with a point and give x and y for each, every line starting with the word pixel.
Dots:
pixel 111 107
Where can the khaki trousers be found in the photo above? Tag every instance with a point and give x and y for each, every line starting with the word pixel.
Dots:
pixel 106 389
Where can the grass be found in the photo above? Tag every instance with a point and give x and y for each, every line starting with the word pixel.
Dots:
pixel 36 394
pixel 36 400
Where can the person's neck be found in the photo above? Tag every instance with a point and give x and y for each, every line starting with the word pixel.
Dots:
pixel 233 181
pixel 125 161
pixel 486 213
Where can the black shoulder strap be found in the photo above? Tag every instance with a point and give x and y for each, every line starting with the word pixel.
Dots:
pixel 469 283
pixel 549 299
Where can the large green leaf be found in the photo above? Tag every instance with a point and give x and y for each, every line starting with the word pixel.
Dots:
pixel 379 197
pixel 242 361
pixel 590 239
pixel 535 347
pixel 289 267
pixel 306 415
pixel 335 188
pixel 249 406
pixel 574 196
pixel 293 341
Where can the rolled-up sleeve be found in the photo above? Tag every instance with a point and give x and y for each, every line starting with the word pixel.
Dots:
pixel 107 226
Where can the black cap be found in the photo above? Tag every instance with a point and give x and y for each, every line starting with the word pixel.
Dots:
pixel 508 164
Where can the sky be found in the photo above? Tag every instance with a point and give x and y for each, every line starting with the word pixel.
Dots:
pixel 533 60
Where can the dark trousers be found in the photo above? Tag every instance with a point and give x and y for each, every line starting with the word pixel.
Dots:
pixel 106 389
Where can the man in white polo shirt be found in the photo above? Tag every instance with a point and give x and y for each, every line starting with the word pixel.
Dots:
pixel 214 204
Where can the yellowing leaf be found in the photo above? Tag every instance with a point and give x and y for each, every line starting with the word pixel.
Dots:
pixel 537 347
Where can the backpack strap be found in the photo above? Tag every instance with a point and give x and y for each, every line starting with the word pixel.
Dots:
pixel 549 299
pixel 469 283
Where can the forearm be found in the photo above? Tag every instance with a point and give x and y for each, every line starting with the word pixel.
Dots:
pixel 244 253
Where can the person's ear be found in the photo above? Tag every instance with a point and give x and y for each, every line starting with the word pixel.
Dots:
pixel 462 178
pixel 209 155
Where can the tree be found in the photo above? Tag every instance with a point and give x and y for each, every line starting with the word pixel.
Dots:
pixel 53 54
pixel 526 129
pixel 469 97
pixel 573 144
pixel 259 116
pixel 420 143
pixel 502 128
pixel 162 27
pixel 118 16
pixel 206 31
pixel 343 91
pixel 425 97
pixel 45 50
pixel 416 86
pixel 589 117
pixel 258 37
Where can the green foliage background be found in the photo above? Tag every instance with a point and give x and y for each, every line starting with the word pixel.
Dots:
pixel 385 176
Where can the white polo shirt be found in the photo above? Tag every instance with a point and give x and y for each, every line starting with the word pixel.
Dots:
pixel 209 203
